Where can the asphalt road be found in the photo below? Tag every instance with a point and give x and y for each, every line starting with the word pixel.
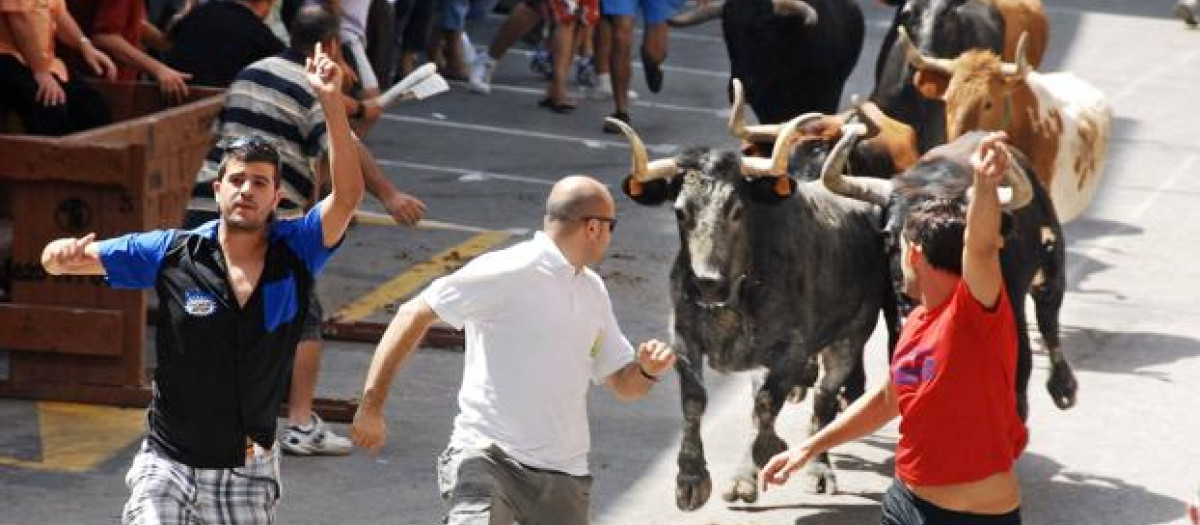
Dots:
pixel 1128 454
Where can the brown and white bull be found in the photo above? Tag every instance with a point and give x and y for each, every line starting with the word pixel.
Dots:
pixel 1061 122
pixel 948 28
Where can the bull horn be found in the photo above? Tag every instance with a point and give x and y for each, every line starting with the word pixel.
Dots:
pixel 1022 189
pixel 919 61
pixel 737 120
pixel 777 165
pixel 1021 68
pixel 795 8
pixel 698 15
pixel 642 170
pixel 874 191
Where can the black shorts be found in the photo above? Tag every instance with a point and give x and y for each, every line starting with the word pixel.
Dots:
pixel 902 507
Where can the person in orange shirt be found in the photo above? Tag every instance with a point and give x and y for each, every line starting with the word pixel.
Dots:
pixel 35 82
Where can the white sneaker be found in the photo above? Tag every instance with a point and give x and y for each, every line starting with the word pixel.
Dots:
pixel 480 79
pixel 318 440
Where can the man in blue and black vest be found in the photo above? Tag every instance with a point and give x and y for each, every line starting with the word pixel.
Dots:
pixel 233 294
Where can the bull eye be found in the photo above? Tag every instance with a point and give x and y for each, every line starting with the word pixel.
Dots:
pixel 987 105
pixel 681 215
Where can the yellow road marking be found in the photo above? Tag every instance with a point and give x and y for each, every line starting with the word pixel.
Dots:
pixel 408 282
pixel 78 438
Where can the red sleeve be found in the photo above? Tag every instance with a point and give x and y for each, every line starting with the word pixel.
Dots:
pixel 974 311
pixel 118 17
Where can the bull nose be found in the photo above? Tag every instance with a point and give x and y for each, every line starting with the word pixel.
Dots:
pixel 711 290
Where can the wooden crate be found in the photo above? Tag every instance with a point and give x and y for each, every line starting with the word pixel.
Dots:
pixel 73 338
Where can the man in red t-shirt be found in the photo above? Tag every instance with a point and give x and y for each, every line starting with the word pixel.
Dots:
pixel 952 372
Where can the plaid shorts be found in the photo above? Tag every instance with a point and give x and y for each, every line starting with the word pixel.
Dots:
pixel 164 491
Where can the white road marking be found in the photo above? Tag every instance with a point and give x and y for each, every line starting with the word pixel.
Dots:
pixel 660 149
pixel 722 113
pixel 465 175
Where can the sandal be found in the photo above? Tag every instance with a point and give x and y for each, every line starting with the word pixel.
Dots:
pixel 555 106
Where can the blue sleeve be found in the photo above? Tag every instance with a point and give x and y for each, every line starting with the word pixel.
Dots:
pixel 133 260
pixel 305 238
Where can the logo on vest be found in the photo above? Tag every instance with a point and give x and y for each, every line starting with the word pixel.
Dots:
pixel 199 304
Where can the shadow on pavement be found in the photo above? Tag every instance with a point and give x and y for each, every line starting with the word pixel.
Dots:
pixel 1054 494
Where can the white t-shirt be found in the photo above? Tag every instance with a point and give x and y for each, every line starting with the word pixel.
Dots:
pixel 536 332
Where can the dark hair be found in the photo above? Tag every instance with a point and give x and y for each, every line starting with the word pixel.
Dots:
pixel 938 226
pixel 247 149
pixel 312 24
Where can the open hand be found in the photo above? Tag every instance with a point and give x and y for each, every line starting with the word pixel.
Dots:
pixel 172 83
pixel 49 92
pixel 655 357
pixel 99 62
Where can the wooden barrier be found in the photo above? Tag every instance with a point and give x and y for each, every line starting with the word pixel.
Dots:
pixel 73 338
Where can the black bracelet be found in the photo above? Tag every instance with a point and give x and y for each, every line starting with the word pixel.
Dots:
pixel 649 377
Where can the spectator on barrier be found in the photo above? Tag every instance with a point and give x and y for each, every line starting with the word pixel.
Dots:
pixel 271 98
pixel 217 39
pixel 540 328
pixel 234 294
pixel 116 26
pixel 50 98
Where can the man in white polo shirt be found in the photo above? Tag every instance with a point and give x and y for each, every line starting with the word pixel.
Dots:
pixel 539 325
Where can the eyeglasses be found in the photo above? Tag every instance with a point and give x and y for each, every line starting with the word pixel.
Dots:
pixel 612 221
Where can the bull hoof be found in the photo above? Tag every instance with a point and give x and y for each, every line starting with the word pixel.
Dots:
pixel 1062 386
pixel 797 394
pixel 818 478
pixel 766 445
pixel 741 488
pixel 692 490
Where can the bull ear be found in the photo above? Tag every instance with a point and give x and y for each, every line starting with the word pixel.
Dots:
pixel 649 193
pixel 768 190
pixel 930 83
pixel 784 186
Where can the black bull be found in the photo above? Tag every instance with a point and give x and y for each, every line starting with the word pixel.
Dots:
pixel 1032 260
pixel 770 274
pixel 793 56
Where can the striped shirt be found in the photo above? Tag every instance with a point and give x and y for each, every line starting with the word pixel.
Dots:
pixel 272 98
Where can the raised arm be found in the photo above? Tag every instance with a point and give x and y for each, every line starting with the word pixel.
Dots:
pixel 982 243
pixel 345 173
pixel 71 256
pixel 398 343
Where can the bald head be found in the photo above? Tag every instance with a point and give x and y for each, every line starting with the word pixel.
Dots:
pixel 578 196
